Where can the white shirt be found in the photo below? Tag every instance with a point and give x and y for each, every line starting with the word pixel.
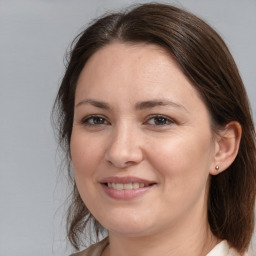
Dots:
pixel 221 249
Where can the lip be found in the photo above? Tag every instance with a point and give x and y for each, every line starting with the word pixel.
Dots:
pixel 128 179
pixel 126 194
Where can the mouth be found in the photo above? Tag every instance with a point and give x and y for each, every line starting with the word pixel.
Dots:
pixel 127 186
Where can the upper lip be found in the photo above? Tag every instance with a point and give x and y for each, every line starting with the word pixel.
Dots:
pixel 125 180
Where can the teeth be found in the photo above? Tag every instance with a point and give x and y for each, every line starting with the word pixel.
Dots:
pixel 136 185
pixel 126 186
pixel 118 186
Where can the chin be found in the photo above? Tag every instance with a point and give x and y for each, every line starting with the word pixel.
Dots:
pixel 129 231
pixel 127 225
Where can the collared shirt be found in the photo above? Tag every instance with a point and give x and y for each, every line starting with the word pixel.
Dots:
pixel 221 249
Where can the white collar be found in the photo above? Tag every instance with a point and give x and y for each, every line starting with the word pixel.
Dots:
pixel 223 249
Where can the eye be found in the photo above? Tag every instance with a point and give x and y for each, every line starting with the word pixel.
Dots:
pixel 159 120
pixel 94 120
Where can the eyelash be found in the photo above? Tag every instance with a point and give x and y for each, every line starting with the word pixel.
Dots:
pixel 167 120
pixel 103 121
pixel 86 120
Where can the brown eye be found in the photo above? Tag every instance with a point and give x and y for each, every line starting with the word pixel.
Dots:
pixel 160 120
pixel 94 121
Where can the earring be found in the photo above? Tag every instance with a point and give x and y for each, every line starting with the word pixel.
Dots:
pixel 217 167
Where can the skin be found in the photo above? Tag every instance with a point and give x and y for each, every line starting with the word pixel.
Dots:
pixel 178 152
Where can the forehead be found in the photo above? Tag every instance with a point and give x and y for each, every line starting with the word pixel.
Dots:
pixel 134 72
pixel 123 61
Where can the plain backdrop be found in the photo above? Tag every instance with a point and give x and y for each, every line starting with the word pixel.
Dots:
pixel 34 35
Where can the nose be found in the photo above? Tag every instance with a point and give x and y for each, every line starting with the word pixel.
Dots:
pixel 124 147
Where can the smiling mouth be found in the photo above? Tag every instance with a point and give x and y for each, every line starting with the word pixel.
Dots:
pixel 127 186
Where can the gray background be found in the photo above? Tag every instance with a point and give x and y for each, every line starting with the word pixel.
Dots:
pixel 34 35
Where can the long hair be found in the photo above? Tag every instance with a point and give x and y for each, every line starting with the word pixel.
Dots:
pixel 206 61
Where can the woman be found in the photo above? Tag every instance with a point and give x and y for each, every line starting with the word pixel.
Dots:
pixel 156 122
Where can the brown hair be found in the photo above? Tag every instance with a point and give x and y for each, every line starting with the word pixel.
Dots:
pixel 206 61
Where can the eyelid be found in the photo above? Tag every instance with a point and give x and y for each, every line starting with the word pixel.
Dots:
pixel 169 119
pixel 84 120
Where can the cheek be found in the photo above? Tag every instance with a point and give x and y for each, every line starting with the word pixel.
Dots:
pixel 182 159
pixel 183 164
pixel 86 155
pixel 85 152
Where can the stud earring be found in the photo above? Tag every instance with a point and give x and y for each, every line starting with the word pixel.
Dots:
pixel 217 167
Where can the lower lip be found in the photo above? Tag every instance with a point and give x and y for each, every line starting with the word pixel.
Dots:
pixel 125 194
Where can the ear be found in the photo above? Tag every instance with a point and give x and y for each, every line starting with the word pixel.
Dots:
pixel 226 147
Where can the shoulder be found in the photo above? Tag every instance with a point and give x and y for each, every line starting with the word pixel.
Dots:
pixel 93 250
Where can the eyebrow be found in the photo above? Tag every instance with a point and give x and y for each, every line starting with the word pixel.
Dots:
pixel 154 103
pixel 95 103
pixel 138 106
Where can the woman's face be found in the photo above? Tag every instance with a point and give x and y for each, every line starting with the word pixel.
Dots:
pixel 141 146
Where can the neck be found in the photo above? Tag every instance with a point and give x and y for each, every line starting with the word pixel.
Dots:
pixel 198 242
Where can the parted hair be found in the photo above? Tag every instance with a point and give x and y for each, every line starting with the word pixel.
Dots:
pixel 206 61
